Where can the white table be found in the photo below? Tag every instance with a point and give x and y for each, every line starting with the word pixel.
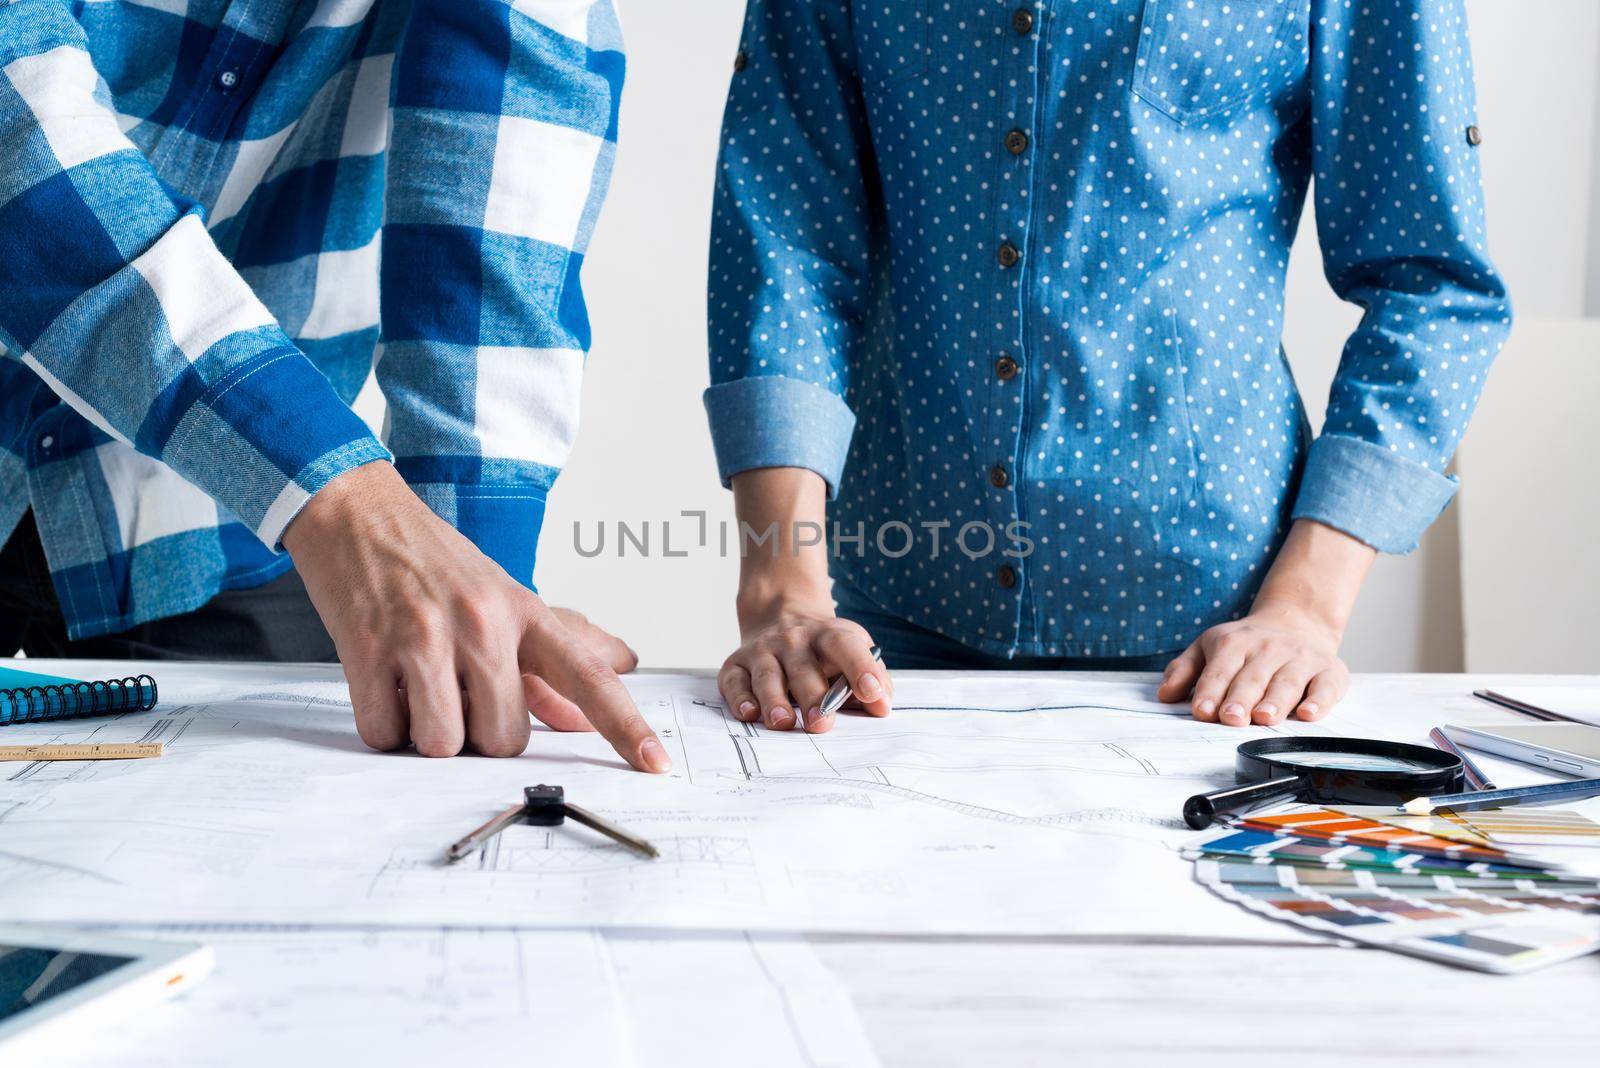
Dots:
pixel 1035 1001
pixel 1198 1001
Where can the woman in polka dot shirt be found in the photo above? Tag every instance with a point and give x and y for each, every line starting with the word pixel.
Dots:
pixel 1004 279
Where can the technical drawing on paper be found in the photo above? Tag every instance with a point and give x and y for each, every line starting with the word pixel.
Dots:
pixel 960 758
pixel 539 865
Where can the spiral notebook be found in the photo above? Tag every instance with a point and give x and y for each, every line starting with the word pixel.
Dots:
pixel 30 697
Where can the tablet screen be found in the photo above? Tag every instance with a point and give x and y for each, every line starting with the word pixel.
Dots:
pixel 32 975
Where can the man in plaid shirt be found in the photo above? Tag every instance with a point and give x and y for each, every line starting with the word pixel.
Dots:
pixel 215 219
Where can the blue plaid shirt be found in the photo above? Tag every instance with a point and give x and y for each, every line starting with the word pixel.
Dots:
pixel 215 216
pixel 1016 268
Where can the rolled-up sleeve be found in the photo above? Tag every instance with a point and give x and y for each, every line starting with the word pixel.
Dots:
pixel 113 293
pixel 1399 207
pixel 793 221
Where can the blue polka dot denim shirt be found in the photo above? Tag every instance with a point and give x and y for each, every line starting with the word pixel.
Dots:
pixel 1016 267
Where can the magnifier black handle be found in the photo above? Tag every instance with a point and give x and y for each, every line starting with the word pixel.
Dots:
pixel 1202 809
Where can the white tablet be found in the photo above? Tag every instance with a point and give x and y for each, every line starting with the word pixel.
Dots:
pixel 52 979
pixel 1568 748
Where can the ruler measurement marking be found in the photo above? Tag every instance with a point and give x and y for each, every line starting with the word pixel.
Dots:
pixel 98 751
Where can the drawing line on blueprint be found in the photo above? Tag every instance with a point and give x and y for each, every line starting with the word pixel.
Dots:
pixel 872 775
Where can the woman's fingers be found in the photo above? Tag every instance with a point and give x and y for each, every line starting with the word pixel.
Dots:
pixel 807 685
pixel 845 649
pixel 1224 658
pixel 1324 691
pixel 1283 694
pixel 1249 685
pixel 772 691
pixel 1177 682
pixel 734 682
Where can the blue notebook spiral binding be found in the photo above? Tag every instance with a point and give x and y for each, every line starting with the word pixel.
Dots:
pixel 28 697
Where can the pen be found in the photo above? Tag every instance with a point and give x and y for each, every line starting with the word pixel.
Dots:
pixel 1576 790
pixel 1475 778
pixel 1518 706
pixel 839 692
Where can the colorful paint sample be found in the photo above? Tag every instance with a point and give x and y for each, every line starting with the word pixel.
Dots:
pixel 1336 874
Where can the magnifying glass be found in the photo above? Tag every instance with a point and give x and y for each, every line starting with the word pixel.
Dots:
pixel 1348 771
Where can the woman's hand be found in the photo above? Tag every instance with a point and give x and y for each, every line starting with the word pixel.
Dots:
pixel 1259 670
pixel 1284 656
pixel 787 662
pixel 792 645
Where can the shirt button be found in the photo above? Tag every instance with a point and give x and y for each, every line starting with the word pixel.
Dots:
pixel 46 441
pixel 741 61
pixel 998 477
pixel 1009 256
pixel 1022 21
pixel 1006 576
pixel 1005 368
pixel 1474 136
pixel 228 79
pixel 1017 142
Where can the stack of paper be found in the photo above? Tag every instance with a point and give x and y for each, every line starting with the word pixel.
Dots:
pixel 1455 897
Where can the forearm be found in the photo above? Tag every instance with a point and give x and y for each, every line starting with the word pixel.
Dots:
pixel 1316 577
pixel 782 512
pixel 792 643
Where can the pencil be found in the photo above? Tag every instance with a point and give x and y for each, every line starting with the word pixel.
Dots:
pixel 1576 790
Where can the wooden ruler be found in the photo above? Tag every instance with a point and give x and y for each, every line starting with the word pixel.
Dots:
pixel 113 751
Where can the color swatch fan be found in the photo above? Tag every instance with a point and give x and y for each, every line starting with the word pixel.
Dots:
pixel 1449 899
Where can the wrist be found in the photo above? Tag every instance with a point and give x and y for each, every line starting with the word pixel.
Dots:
pixel 768 594
pixel 1314 582
pixel 355 496
pixel 1304 616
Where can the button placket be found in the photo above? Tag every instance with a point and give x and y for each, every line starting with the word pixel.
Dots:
pixel 1015 178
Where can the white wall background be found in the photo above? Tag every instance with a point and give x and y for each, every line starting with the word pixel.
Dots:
pixel 644 452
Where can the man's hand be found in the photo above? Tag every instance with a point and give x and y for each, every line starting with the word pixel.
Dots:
pixel 1284 656
pixel 442 649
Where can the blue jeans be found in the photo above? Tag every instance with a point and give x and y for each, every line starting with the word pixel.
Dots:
pixel 906 645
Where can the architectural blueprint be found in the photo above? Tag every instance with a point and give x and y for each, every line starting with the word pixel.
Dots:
pixel 989 805
pixel 487 998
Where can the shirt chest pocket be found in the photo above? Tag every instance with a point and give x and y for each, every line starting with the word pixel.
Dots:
pixel 1199 59
pixel 892 39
